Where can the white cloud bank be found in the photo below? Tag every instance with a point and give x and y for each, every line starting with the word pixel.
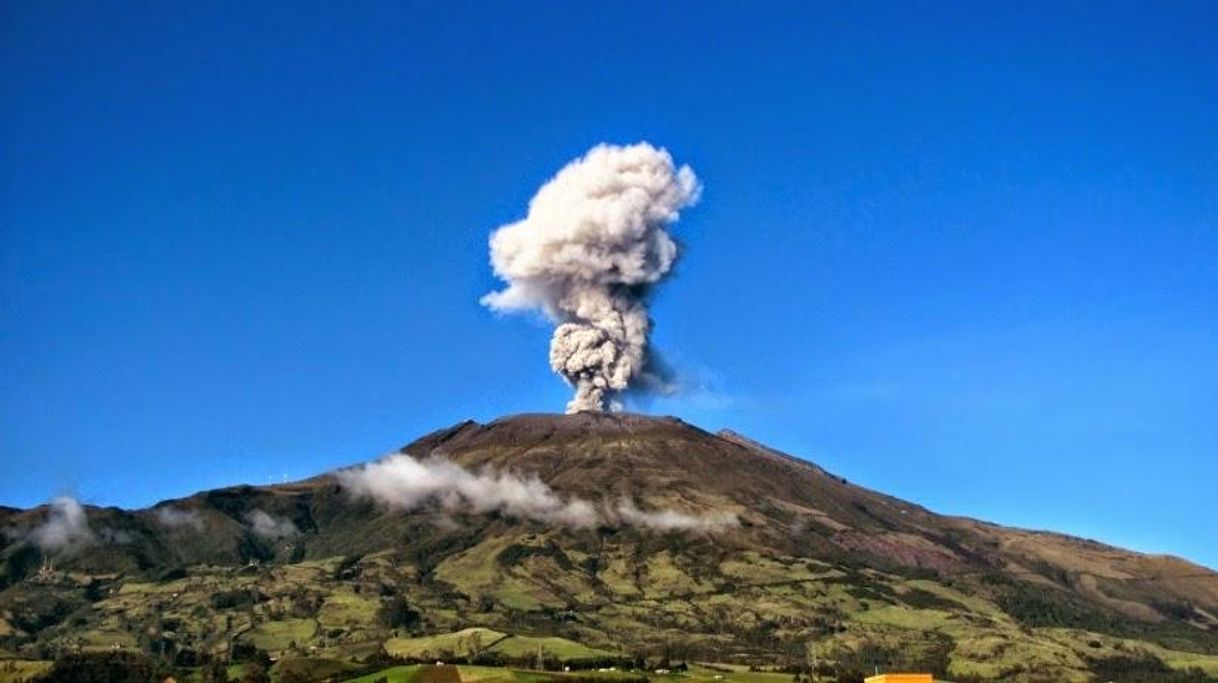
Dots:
pixel 673 520
pixel 66 527
pixel 270 527
pixel 403 482
pixel 175 518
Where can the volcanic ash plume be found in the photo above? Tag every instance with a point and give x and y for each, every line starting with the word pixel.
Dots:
pixel 592 246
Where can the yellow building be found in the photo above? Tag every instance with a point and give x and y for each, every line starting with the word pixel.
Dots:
pixel 900 678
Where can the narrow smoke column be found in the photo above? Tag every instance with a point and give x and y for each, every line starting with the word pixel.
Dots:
pixel 587 255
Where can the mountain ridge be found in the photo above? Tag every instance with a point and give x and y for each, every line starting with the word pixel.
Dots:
pixel 724 433
pixel 617 521
pixel 584 423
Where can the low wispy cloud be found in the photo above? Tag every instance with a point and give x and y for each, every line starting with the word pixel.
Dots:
pixel 404 482
pixel 175 518
pixel 673 520
pixel 270 527
pixel 65 528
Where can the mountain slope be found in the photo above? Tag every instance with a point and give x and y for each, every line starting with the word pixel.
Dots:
pixel 706 546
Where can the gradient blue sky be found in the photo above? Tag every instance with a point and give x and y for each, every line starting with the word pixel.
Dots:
pixel 965 253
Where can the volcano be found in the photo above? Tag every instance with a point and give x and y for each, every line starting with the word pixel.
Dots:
pixel 803 562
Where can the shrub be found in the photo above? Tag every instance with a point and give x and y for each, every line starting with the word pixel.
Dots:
pixel 102 667
pixel 397 613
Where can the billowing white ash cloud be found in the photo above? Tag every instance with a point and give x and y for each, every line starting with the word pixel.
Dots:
pixel 593 245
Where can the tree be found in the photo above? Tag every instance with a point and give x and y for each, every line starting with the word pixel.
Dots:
pixel 256 672
pixel 292 676
pixel 215 672
pixel 102 667
pixel 399 614
pixel 475 645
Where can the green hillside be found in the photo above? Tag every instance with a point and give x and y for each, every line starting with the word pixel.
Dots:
pixel 814 575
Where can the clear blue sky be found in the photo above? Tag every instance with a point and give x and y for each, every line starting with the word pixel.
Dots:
pixel 965 253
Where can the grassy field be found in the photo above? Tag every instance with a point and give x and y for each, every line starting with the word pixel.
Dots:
pixel 276 636
pixel 396 674
pixel 702 673
pixel 558 648
pixel 458 644
pixel 20 671
pixel 348 609
pixel 314 668
pixel 524 593
pixel 489 674
pixel 464 643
